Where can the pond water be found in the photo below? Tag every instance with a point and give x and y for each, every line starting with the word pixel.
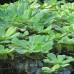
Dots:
pixel 65 72
pixel 24 67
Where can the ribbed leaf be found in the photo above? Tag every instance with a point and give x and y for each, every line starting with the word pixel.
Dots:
pixel 10 31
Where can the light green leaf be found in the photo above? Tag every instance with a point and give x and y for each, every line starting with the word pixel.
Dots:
pixel 60 58
pixel 13 36
pixel 55 67
pixel 1 49
pixel 25 33
pixel 46 60
pixel 2 32
pixel 20 43
pixel 20 51
pixel 46 69
pixel 52 56
pixel 68 60
pixel 10 31
pixel 65 65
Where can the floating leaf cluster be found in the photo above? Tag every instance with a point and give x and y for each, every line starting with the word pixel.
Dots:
pixel 28 27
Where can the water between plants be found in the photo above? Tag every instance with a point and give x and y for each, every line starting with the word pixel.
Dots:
pixel 24 66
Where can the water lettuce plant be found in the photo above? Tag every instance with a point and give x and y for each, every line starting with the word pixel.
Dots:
pixel 8 34
pixel 56 62
pixel 35 44
pixel 4 52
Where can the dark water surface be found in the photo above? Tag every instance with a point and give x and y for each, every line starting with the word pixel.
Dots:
pixel 25 66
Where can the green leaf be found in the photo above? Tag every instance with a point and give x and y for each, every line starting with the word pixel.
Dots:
pixel 1 49
pixel 11 10
pixel 47 30
pixel 51 1
pixel 25 33
pixel 2 13
pixel 60 58
pixel 55 67
pixel 10 31
pixel 22 7
pixel 27 14
pixel 9 50
pixel 46 60
pixel 47 46
pixel 68 60
pixel 13 36
pixel 20 51
pixel 2 32
pixel 65 65
pixel 20 43
pixel 52 57
pixel 46 69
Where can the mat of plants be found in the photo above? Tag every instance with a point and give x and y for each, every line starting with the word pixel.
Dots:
pixel 37 38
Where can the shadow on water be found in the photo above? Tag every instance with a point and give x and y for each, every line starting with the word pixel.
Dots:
pixel 21 66
pixel 7 1
pixel 25 66
pixel 67 72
